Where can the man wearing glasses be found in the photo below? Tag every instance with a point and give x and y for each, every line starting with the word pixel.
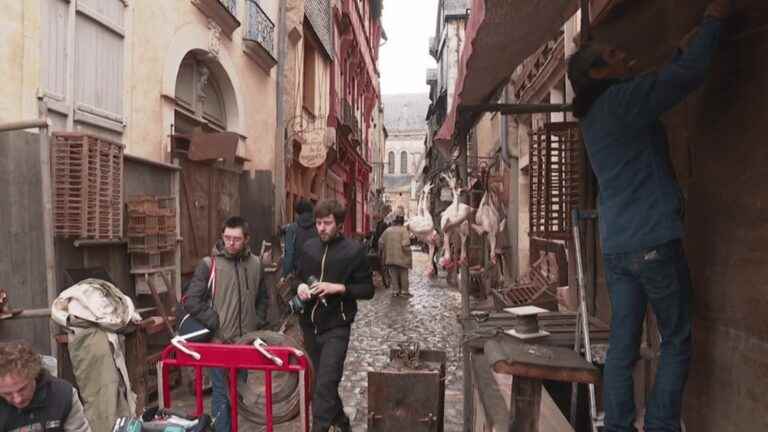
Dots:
pixel 226 295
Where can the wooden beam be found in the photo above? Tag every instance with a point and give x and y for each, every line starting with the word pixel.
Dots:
pixel 525 406
pixel 516 358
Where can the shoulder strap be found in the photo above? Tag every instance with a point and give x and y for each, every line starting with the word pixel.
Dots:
pixel 211 261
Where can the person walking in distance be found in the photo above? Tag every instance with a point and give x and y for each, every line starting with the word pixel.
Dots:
pixel 640 207
pixel 337 269
pixel 226 295
pixel 395 244
pixel 297 233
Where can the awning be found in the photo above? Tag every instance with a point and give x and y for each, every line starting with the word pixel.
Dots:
pixel 500 35
pixel 213 146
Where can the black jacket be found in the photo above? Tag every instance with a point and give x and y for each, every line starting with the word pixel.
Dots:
pixel 49 408
pixel 343 261
pixel 296 235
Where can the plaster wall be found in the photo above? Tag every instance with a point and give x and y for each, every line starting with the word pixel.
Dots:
pixel 19 59
pixel 163 33
pixel 157 37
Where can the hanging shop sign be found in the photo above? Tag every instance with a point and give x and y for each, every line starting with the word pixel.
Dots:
pixel 315 139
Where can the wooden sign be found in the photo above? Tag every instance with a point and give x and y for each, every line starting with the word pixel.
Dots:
pixel 312 155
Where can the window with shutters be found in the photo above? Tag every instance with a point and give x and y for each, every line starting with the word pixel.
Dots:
pixel 87 85
pixel 403 162
pixel 555 171
pixel 391 163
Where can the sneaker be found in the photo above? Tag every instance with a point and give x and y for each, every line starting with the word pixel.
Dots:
pixel 395 294
pixel 406 295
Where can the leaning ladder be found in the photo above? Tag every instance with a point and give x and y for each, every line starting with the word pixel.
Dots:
pixel 597 420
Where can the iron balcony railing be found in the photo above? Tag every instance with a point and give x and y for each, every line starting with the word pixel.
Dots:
pixel 259 27
pixel 231 6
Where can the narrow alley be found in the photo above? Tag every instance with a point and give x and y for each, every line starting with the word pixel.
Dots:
pixel 429 318
pixel 197 197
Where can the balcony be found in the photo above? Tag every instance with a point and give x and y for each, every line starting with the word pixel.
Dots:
pixel 222 12
pixel 259 36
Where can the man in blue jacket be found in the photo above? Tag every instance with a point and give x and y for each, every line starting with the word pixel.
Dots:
pixel 640 208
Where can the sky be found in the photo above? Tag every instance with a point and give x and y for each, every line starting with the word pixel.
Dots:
pixel 404 58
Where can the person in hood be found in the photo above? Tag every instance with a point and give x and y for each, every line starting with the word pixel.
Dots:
pixel 31 399
pixel 297 233
pixel 234 304
pixel 341 267
pixel 641 224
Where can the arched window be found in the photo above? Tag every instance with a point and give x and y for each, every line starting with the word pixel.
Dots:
pixel 391 162
pixel 403 163
pixel 199 92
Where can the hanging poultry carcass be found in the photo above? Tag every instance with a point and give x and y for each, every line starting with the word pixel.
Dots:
pixel 488 220
pixel 455 217
pixel 422 225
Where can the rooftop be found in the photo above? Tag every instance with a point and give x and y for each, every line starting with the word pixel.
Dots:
pixel 405 112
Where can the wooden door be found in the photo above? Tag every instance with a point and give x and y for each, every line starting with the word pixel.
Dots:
pixel 209 195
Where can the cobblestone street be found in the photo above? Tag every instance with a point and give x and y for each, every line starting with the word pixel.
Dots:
pixel 429 317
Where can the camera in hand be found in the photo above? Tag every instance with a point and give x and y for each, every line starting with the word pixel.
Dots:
pixel 296 304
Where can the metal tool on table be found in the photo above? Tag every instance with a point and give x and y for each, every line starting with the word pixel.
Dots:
pixel 582 321
pixel 527 323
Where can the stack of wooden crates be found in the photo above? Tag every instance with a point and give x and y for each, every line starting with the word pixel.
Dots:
pixel 152 234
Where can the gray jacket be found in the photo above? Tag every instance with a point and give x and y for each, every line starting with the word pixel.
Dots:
pixel 240 300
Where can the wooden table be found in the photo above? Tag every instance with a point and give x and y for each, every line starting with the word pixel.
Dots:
pixel 560 325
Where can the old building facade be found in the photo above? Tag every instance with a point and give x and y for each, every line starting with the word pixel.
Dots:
pixel 404 150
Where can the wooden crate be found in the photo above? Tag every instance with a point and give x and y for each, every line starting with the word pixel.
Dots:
pixel 404 398
pixel 87 176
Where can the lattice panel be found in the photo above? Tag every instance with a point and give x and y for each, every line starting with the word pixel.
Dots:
pixel 88 186
pixel 556 178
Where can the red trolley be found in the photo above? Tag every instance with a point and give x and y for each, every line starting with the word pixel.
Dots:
pixel 257 357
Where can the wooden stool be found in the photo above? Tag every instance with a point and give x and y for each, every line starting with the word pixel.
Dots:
pixel 530 364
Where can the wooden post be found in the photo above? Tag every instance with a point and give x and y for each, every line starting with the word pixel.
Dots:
pixel 464 288
pixel 525 405
pixel 47 202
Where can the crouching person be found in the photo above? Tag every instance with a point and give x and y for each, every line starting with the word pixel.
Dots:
pixel 33 400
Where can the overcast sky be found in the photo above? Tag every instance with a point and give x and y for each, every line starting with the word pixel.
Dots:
pixel 404 58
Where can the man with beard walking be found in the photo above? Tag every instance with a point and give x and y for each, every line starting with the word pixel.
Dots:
pixel 341 267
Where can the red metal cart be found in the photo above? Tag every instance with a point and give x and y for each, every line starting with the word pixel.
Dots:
pixel 257 357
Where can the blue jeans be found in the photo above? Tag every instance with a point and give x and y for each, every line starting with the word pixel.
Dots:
pixel 658 276
pixel 220 399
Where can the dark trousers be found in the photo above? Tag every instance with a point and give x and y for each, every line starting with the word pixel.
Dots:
pixel 658 276
pixel 398 278
pixel 328 350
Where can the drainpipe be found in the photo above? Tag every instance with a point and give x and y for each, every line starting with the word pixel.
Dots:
pixel 279 171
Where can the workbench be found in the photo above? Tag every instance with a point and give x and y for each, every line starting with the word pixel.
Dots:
pixel 487 394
